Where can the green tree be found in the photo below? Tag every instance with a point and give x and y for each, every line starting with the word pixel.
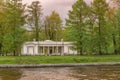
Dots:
pixel 1 26
pixel 114 25
pixel 117 25
pixel 100 8
pixel 77 24
pixel 53 27
pixel 9 42
pixel 34 18
pixel 14 19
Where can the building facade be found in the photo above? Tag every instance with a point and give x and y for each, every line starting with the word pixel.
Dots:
pixel 47 47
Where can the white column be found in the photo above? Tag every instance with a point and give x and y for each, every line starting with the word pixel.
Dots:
pixel 40 50
pixel 62 50
pixel 48 50
pixel 43 50
pixel 36 50
pixel 68 49
pixel 25 50
pixel 57 49
pixel 53 50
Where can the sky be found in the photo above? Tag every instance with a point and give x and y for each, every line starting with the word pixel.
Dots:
pixel 60 6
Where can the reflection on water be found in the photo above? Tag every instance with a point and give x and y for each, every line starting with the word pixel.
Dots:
pixel 10 74
pixel 62 73
pixel 97 73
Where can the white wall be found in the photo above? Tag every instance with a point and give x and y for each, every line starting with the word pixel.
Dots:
pixel 32 49
pixel 67 50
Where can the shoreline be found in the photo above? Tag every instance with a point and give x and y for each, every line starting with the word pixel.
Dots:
pixel 57 65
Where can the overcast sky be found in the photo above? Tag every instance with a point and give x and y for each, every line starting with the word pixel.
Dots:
pixel 60 6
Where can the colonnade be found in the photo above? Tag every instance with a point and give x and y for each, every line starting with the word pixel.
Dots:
pixel 51 50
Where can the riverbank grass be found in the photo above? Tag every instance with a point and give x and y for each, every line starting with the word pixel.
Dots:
pixel 58 59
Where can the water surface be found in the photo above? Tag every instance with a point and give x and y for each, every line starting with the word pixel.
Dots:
pixel 62 73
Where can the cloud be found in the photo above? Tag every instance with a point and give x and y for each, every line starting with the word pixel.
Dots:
pixel 60 6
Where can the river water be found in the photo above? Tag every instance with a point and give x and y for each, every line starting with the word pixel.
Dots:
pixel 62 73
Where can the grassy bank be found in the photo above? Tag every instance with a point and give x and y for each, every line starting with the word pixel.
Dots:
pixel 57 59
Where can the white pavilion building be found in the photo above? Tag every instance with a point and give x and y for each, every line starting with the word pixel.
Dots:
pixel 47 47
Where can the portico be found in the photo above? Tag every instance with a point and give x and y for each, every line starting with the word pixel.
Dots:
pixel 52 50
pixel 47 47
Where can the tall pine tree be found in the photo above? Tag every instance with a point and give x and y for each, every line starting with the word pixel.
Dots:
pixel 99 9
pixel 77 24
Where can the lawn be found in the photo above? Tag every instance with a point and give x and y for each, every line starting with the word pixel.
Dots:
pixel 57 59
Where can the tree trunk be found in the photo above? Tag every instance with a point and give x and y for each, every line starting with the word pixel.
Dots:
pixel 36 26
pixel 115 45
pixel 100 52
pixel 119 44
pixel 81 48
pixel 14 53
pixel 106 49
pixel 0 48
pixel 81 51
pixel 46 31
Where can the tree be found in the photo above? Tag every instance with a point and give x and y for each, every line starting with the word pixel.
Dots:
pixel 53 27
pixel 14 19
pixel 77 24
pixel 117 25
pixel 34 17
pixel 100 8
pixel 1 27
pixel 9 42
pixel 113 21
